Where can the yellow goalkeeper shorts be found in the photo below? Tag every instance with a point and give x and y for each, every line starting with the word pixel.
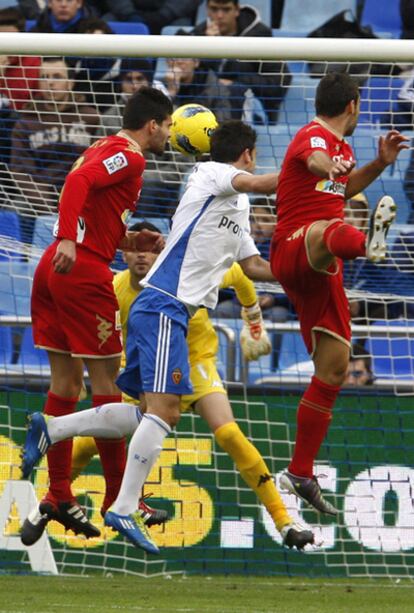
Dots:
pixel 205 380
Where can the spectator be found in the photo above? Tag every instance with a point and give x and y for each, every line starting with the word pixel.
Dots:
pixel 96 77
pixel 409 185
pixel 50 134
pixel 18 77
pixel 187 82
pixel 62 17
pixel 359 369
pixel 267 80
pixel 154 13
pixel 407 18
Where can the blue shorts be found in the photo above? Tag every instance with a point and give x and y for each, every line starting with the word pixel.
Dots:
pixel 156 356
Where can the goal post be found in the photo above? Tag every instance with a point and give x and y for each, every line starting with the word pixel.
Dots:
pixel 366 463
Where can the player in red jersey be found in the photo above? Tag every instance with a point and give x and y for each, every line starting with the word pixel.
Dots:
pixel 309 244
pixel 74 308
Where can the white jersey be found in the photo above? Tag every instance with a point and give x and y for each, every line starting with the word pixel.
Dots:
pixel 210 230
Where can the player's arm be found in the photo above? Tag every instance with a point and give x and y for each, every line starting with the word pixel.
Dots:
pixel 389 147
pixel 257 268
pixel 256 184
pixel 254 339
pixel 320 164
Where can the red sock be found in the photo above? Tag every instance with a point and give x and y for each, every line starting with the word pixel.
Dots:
pixel 113 456
pixel 59 456
pixel 313 419
pixel 344 241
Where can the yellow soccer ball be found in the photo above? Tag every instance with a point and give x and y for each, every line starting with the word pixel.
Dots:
pixel 192 126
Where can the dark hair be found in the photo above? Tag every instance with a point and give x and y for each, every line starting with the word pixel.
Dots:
pixel 46 59
pixel 146 104
pixel 143 225
pixel 230 139
pixel 136 64
pixel 93 23
pixel 235 2
pixel 334 92
pixel 12 16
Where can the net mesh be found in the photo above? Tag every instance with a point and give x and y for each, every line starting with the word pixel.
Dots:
pixel 217 524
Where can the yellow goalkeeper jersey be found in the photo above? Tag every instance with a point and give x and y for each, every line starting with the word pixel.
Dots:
pixel 202 339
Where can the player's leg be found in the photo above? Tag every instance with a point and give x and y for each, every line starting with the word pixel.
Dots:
pixel 314 416
pixel 216 410
pixel 112 452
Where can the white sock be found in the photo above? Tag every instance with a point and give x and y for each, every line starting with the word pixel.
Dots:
pixel 144 449
pixel 114 420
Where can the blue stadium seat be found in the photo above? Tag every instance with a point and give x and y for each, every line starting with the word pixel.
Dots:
pixel 29 355
pixel 264 8
pixel 292 350
pixel 119 27
pixel 296 16
pixel 297 107
pixel 43 231
pixel 392 357
pixel 383 16
pixel 5 345
pixel 15 284
pixel 377 98
pixel 10 228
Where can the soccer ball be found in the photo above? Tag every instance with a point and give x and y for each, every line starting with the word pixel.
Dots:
pixel 192 126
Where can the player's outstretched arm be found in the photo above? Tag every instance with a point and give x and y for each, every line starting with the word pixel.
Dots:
pixel 321 165
pixel 256 184
pixel 257 268
pixel 145 240
pixel 389 147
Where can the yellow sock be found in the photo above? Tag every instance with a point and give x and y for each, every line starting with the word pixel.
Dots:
pixel 83 450
pixel 254 471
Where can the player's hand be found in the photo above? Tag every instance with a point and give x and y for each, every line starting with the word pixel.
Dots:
pixel 340 169
pixel 65 256
pixel 145 240
pixel 254 339
pixel 390 145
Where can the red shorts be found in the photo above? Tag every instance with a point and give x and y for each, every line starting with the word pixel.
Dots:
pixel 77 312
pixel 317 296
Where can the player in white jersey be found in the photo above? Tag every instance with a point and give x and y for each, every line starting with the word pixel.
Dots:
pixel 210 231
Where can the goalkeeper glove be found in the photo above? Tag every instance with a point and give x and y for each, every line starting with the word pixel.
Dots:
pixel 254 339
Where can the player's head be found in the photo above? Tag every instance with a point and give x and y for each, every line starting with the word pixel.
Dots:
pixel 224 14
pixel 359 368
pixel 337 94
pixel 149 110
pixel 140 262
pixel 234 141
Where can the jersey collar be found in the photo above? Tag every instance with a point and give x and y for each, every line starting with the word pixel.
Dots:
pixel 328 127
pixel 135 145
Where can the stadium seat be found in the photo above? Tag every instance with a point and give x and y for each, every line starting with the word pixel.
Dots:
pixel 297 107
pixel 264 8
pixel 43 231
pixel 296 16
pixel 119 27
pixel 292 350
pixel 5 345
pixel 383 16
pixel 392 357
pixel 9 228
pixel 16 284
pixel 29 355
pixel 377 98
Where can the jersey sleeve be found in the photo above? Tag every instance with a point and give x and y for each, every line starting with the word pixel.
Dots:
pixel 224 175
pixel 248 247
pixel 311 139
pixel 100 171
pixel 243 286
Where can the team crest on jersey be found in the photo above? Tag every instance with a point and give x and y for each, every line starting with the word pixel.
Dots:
pixel 115 162
pixel 176 375
pixel 317 142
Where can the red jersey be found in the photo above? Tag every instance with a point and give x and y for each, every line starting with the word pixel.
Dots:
pixel 302 197
pixel 20 79
pixel 99 193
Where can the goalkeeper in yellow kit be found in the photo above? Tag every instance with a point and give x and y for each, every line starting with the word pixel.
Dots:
pixel 209 397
